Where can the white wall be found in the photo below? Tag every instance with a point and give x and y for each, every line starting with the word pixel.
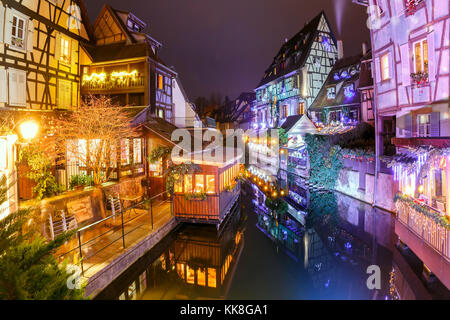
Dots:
pixel 183 112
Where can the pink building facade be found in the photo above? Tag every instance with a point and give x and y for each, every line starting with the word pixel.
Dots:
pixel 411 46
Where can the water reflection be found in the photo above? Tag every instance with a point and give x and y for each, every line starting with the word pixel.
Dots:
pixel 317 245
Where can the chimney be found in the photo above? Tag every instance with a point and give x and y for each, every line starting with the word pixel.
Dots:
pixel 364 48
pixel 340 46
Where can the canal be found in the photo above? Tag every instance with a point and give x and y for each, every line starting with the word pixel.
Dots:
pixel 317 245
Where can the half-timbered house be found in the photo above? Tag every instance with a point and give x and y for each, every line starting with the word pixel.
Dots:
pixel 40 48
pixel 410 48
pixel 296 74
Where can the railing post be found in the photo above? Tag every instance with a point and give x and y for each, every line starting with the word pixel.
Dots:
pixel 81 252
pixel 123 231
pixel 151 211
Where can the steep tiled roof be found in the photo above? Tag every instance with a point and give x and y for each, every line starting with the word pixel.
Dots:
pixel 299 44
pixel 340 83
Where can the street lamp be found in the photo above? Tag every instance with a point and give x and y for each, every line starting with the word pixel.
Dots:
pixel 29 129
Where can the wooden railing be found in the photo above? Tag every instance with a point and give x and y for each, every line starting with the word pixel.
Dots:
pixel 135 82
pixel 426 228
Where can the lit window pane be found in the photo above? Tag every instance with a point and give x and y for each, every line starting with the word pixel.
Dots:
pixel 199 183
pixel 180 270
pixel 3 150
pixel 125 151
pixel 188 183
pixel 212 278
pixel 425 56
pixel 137 150
pixel 201 277
pixel 210 184
pixel 190 275
pixel 179 185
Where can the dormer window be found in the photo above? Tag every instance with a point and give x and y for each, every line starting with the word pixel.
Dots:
pixel 331 93
pixel 133 25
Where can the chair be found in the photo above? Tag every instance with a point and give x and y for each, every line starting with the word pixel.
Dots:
pixel 116 205
pixel 64 224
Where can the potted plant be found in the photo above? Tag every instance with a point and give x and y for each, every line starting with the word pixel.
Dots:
pixel 420 78
pixel 80 181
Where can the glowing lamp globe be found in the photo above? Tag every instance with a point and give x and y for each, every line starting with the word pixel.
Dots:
pixel 29 129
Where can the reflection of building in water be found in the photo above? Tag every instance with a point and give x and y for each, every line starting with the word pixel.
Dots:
pixel 281 227
pixel 196 262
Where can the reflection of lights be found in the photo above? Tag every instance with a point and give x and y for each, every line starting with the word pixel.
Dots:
pixel 348 245
pixel 420 189
pixel 29 129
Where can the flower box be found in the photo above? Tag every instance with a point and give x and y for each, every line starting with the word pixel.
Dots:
pixel 419 78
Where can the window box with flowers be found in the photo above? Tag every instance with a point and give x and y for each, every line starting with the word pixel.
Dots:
pixel 419 78
pixel 412 6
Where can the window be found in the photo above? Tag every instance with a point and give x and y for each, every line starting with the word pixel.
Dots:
pixel 125 152
pixel 212 278
pixel 161 113
pixel 199 183
pixel 65 50
pixel 284 112
pixel 18 32
pixel 201 277
pixel 188 183
pixel 349 91
pixel 178 185
pixel 301 108
pixel 331 93
pixel 3 157
pixel 385 72
pixel 137 151
pixel 160 82
pixel 64 94
pixel 424 125
pixel 210 184
pixel 421 56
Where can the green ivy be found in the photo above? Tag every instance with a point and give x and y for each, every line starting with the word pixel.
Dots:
pixel 159 153
pixel 81 180
pixel 276 204
pixel 176 172
pixel 195 196
pixel 40 171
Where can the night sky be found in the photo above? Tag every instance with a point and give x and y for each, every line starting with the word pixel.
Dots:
pixel 226 45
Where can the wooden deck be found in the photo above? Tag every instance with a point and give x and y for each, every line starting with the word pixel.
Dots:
pixel 105 242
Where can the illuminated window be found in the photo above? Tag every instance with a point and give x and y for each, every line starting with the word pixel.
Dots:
pixel 188 183
pixel 385 72
pixel 199 183
pixel 65 50
pixel 82 151
pixel 179 185
pixel 137 151
pixel 284 113
pixel 190 275
pixel 331 93
pixel 301 108
pixel 201 277
pixel 18 32
pixel 125 152
pixel 210 184
pixel 3 157
pixel 180 270
pixel 160 82
pixel 421 56
pixel 212 278
pixel 424 125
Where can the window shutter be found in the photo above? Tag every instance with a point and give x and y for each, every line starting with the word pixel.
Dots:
pixel 408 126
pixel 58 46
pixel 17 88
pixel 8 26
pixel 30 37
pixel 3 85
pixel 2 21
pixel 377 70
pixel 431 57
pixel 74 56
pixel 406 68
pixel 435 124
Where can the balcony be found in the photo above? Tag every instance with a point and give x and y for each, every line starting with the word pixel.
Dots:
pixel 429 227
pixel 437 142
pixel 136 82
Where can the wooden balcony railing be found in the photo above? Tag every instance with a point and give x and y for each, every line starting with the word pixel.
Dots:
pixel 130 83
pixel 425 227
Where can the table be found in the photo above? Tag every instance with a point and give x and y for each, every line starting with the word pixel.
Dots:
pixel 133 199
